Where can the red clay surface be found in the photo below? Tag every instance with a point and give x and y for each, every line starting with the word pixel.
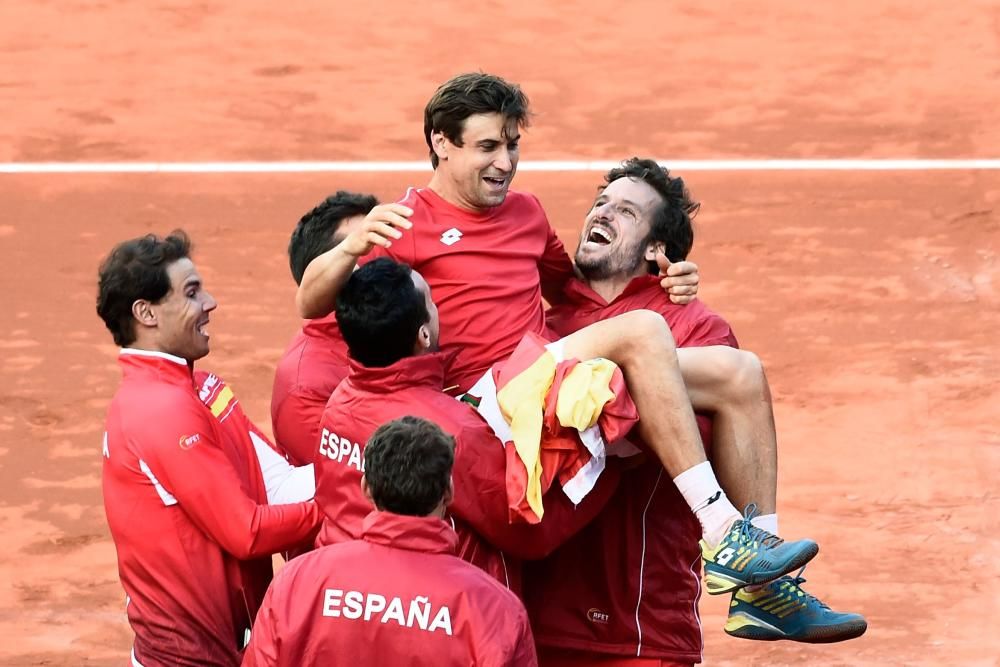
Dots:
pixel 871 297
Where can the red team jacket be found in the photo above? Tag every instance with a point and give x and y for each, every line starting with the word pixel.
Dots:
pixel 310 369
pixel 486 272
pixel 506 250
pixel 187 508
pixel 636 593
pixel 368 398
pixel 398 596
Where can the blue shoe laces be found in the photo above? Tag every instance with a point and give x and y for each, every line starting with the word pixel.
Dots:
pixel 794 586
pixel 750 533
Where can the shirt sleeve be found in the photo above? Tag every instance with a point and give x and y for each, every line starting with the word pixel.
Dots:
pixel 283 482
pixel 555 268
pixel 202 479
pixel 711 330
pixel 402 250
pixel 481 499
pixel 295 424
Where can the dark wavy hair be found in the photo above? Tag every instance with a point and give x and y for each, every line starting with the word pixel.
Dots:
pixel 467 95
pixel 671 223
pixel 379 311
pixel 136 269
pixel 408 465
pixel 317 232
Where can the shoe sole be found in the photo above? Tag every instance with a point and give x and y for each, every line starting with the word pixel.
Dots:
pixel 817 635
pixel 717 583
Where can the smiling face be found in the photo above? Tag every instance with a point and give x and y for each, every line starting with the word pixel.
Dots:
pixel 476 175
pixel 615 241
pixel 182 315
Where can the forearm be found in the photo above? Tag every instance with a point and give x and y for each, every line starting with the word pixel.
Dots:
pixel 322 281
pixel 277 528
pixel 487 514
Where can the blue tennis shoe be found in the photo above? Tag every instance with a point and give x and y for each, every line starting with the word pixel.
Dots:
pixel 782 610
pixel 749 555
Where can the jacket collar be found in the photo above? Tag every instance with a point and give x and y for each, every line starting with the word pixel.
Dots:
pixel 149 363
pixel 322 327
pixel 425 370
pixel 413 533
pixel 579 291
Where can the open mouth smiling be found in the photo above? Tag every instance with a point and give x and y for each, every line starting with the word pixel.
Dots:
pixel 600 234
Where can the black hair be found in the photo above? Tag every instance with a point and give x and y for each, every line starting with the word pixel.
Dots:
pixel 136 269
pixel 379 311
pixel 671 221
pixel 408 465
pixel 316 232
pixel 467 95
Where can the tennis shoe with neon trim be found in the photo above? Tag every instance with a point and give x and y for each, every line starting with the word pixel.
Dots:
pixel 750 555
pixel 782 610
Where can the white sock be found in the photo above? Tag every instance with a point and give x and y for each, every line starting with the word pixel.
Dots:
pixel 768 522
pixel 708 501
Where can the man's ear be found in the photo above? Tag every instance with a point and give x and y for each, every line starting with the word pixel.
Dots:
pixel 424 336
pixel 449 493
pixel 366 491
pixel 439 143
pixel 652 248
pixel 142 311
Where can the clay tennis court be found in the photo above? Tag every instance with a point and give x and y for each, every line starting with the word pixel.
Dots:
pixel 871 296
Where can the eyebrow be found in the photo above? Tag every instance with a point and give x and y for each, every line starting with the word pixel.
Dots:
pixel 492 141
pixel 627 202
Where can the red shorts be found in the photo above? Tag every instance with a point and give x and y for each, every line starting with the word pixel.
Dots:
pixel 557 657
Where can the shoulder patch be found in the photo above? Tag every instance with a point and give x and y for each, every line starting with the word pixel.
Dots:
pixel 216 395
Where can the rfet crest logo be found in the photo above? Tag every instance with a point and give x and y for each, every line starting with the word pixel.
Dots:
pixel 189 441
pixel 598 616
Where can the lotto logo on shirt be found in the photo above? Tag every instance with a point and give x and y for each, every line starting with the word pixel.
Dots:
pixel 189 441
pixel 451 237
pixel 335 448
pixel 372 607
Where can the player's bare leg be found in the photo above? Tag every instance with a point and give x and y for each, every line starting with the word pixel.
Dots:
pixel 736 553
pixel 644 349
pixel 731 385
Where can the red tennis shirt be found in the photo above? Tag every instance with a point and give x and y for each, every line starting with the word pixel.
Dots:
pixel 487 272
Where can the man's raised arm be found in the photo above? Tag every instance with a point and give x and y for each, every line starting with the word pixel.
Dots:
pixel 327 273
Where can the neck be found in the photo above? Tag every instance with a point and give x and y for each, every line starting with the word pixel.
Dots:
pixel 442 188
pixel 611 288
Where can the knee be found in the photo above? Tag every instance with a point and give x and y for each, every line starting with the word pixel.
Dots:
pixel 645 332
pixel 745 374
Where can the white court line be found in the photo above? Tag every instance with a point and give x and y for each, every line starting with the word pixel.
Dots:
pixel 526 165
